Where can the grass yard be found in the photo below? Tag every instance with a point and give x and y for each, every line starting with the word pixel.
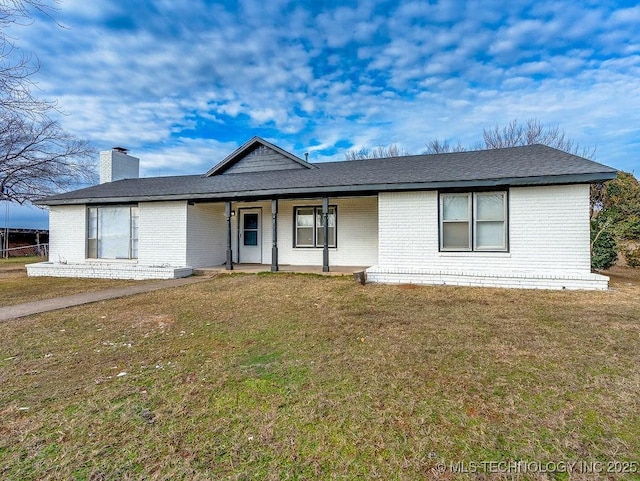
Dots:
pixel 307 377
pixel 11 263
pixel 17 288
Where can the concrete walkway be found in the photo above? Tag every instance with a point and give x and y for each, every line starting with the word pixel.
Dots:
pixel 202 274
pixel 45 305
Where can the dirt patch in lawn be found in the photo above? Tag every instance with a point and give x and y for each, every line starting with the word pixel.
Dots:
pixel 620 275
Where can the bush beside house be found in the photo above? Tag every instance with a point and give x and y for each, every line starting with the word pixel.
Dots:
pixel 615 228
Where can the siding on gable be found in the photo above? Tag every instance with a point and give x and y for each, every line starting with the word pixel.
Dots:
pixel 262 159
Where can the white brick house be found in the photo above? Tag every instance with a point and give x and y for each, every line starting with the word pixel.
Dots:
pixel 515 217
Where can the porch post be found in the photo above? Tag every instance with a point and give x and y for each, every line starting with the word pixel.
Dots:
pixel 274 229
pixel 325 220
pixel 227 214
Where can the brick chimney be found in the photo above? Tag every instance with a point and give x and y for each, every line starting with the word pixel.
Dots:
pixel 116 164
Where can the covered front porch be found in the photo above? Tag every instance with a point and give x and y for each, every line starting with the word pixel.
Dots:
pixel 174 238
pixel 322 233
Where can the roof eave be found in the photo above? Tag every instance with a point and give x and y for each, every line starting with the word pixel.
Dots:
pixel 358 189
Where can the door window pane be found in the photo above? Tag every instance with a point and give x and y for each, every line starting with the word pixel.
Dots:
pixel 251 237
pixel 250 229
pixel 250 221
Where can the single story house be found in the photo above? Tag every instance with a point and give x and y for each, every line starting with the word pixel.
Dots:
pixel 514 217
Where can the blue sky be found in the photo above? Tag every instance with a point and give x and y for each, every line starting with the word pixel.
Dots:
pixel 183 83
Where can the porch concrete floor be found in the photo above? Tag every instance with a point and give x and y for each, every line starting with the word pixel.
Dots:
pixel 255 268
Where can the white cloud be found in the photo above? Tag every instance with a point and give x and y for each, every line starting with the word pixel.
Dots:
pixel 185 157
pixel 143 74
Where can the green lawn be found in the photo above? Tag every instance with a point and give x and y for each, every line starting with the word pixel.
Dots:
pixel 308 377
pixel 11 262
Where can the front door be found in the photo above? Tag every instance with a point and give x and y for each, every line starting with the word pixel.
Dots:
pixel 249 241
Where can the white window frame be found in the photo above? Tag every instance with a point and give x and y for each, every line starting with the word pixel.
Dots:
pixel 473 222
pixel 93 231
pixel 504 246
pixel 469 222
pixel 316 243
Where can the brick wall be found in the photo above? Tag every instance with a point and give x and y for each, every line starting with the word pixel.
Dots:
pixel 161 250
pixel 106 270
pixel 116 165
pixel 163 233
pixel 548 239
pixel 67 233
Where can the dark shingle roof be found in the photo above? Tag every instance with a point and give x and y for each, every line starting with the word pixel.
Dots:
pixel 529 165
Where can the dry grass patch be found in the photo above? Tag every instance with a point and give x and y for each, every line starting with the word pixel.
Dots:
pixel 305 377
pixel 17 288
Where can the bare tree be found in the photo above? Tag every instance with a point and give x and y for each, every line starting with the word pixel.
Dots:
pixel 442 147
pixel 379 152
pixel 516 134
pixel 17 68
pixel 37 157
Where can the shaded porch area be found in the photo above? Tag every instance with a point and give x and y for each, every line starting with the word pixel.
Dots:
pixel 283 234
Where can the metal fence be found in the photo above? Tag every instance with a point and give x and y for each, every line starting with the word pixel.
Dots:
pixel 39 250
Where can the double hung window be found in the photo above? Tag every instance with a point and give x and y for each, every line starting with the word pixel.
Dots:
pixel 309 230
pixel 473 221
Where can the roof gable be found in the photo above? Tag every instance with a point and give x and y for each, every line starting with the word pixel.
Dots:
pixel 258 155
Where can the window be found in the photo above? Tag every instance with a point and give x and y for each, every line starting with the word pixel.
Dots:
pixel 250 229
pixel 473 221
pixel 112 232
pixel 309 227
